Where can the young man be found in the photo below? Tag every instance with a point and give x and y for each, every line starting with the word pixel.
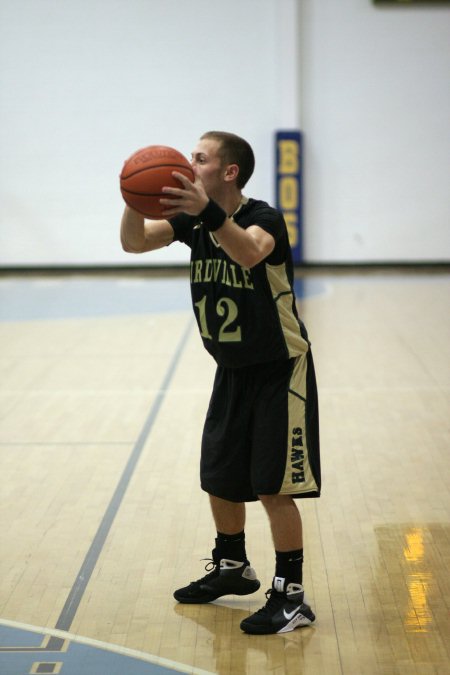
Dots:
pixel 260 439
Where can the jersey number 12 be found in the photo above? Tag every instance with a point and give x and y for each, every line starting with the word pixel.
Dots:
pixel 225 308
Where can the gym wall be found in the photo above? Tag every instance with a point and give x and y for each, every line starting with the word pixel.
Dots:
pixel 83 85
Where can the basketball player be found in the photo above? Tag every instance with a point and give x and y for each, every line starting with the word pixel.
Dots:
pixel 260 438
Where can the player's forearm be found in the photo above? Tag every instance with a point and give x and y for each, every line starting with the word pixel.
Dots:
pixel 242 247
pixel 140 236
pixel 132 231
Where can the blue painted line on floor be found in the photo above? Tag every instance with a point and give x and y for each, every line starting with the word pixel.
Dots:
pixel 26 649
pixel 77 298
pixel 25 299
pixel 74 598
pixel 21 653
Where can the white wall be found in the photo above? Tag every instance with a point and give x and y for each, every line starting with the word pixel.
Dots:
pixel 376 112
pixel 83 84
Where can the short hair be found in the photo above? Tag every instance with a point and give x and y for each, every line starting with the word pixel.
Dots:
pixel 234 150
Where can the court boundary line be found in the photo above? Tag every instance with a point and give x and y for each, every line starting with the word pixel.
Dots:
pixel 106 646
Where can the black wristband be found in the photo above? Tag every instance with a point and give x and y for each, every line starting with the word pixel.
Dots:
pixel 212 216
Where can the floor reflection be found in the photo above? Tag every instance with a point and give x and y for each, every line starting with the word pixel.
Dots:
pixel 418 552
pixel 235 652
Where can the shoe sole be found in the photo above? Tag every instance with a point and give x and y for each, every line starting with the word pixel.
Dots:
pixel 186 600
pixel 299 621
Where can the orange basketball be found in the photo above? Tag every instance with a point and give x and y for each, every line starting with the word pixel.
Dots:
pixel 146 172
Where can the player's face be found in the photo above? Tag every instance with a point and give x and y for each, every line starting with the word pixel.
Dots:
pixel 207 164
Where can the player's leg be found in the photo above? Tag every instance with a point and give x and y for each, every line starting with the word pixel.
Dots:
pixel 224 475
pixel 285 608
pixel 285 522
pixel 229 517
pixel 283 468
pixel 229 569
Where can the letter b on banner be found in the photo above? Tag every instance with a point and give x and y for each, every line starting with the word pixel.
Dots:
pixel 288 186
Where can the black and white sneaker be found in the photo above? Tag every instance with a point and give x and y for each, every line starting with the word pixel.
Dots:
pixel 284 610
pixel 226 577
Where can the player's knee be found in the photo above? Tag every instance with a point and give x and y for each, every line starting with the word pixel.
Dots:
pixel 274 501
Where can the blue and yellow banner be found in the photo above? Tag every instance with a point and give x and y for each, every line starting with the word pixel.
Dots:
pixel 289 187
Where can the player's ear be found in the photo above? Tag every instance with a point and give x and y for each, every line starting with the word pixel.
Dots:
pixel 231 172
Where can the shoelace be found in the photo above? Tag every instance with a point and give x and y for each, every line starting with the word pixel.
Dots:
pixel 210 564
pixel 211 568
pixel 274 602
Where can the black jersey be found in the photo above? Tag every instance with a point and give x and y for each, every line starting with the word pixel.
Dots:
pixel 245 316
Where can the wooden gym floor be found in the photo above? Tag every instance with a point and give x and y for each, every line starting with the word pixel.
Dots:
pixel 104 386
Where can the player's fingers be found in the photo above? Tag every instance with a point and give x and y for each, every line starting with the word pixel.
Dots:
pixel 177 192
pixel 170 202
pixel 182 178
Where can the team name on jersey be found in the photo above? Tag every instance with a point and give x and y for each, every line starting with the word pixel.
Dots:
pixel 222 271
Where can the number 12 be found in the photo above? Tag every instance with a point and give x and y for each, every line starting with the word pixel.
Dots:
pixel 226 308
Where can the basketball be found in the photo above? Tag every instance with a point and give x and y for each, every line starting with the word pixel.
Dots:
pixel 146 172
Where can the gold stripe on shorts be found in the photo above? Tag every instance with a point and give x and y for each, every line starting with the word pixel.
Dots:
pixel 298 477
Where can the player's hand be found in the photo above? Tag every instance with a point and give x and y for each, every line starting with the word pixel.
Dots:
pixel 190 199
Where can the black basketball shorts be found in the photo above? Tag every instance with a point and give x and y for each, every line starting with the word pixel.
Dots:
pixel 261 434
